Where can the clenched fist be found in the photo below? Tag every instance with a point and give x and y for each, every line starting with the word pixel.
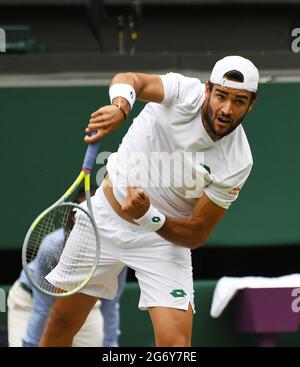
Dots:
pixel 136 203
pixel 103 121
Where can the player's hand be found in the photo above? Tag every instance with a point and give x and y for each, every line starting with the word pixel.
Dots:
pixel 103 121
pixel 136 203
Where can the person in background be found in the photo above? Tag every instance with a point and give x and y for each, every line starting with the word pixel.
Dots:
pixel 28 308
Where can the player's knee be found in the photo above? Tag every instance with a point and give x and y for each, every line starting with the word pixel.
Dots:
pixel 60 323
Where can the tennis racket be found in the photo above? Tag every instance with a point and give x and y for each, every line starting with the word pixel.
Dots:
pixel 66 233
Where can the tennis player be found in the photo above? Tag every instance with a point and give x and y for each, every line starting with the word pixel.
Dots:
pixel 151 224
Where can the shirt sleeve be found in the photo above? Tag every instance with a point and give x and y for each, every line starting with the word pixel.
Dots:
pixel 225 192
pixel 179 89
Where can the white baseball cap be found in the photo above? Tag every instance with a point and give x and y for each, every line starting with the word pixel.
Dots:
pixel 238 63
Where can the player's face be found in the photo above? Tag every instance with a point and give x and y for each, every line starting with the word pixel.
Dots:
pixel 224 109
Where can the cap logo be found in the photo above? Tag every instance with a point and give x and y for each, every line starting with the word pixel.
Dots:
pixel 236 85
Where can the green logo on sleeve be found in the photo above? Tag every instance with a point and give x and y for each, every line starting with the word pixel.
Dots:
pixel 155 219
pixel 178 293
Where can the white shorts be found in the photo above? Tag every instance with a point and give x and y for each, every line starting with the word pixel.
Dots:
pixel 163 270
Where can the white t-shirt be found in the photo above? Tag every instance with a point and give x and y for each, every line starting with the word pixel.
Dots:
pixel 169 154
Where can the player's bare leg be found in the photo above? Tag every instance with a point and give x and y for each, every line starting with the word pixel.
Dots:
pixel 172 327
pixel 66 317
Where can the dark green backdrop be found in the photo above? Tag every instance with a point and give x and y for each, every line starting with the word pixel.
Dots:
pixel 42 150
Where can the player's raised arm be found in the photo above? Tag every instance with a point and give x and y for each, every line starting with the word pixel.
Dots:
pixel 124 89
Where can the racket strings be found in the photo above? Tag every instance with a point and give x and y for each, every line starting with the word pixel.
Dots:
pixel 61 242
pixel 43 228
pixel 79 248
pixel 47 225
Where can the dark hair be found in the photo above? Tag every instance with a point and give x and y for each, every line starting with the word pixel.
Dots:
pixel 235 76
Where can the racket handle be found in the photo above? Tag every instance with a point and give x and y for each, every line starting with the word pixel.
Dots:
pixel 91 155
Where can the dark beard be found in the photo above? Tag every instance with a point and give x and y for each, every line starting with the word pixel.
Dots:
pixel 207 116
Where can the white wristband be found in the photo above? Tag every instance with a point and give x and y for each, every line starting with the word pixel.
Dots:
pixel 153 220
pixel 122 90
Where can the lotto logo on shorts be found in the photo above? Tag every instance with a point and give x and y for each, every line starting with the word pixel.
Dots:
pixel 178 293
pixel 155 219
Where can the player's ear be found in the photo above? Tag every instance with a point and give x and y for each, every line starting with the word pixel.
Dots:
pixel 208 88
pixel 253 101
pixel 251 105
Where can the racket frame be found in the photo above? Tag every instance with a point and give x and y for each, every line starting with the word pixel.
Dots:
pixel 83 176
